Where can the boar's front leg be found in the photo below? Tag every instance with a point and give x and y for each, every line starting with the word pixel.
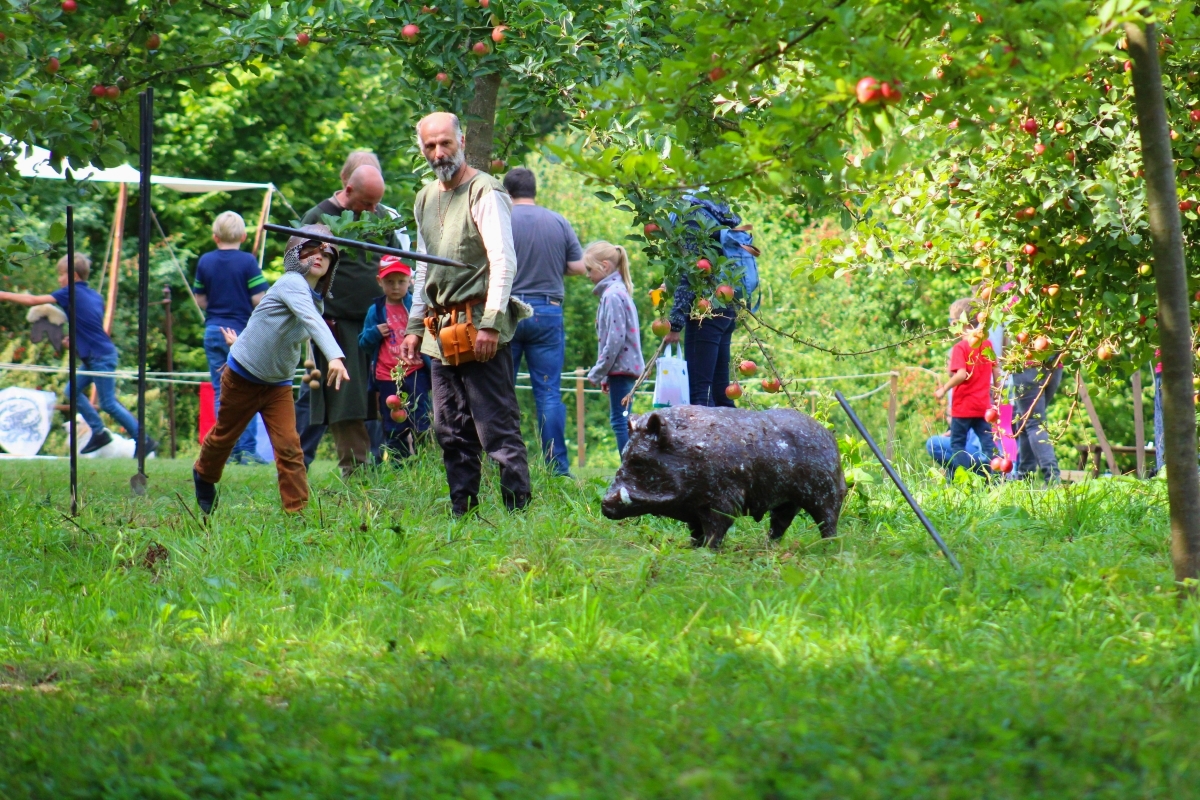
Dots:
pixel 781 520
pixel 714 525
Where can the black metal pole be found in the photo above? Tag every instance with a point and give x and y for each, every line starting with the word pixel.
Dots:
pixel 355 243
pixel 73 394
pixel 146 101
pixel 169 332
pixel 896 480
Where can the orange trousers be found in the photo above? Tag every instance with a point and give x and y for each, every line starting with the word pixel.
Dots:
pixel 240 401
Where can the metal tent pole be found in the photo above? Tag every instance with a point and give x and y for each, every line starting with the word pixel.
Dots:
pixel 72 400
pixel 146 101
pixel 887 466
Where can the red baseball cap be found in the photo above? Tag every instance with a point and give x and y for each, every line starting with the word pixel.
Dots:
pixel 390 265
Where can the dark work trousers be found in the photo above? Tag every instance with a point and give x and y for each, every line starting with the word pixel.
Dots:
pixel 476 412
pixel 1035 450
pixel 706 350
pixel 958 444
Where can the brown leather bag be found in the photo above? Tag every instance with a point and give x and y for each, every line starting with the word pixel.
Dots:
pixel 456 340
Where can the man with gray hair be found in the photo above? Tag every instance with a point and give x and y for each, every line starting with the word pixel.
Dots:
pixel 464 318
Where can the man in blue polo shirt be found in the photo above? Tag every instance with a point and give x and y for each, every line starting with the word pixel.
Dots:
pixel 96 351
pixel 228 286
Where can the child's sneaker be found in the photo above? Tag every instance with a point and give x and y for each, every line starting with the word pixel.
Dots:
pixel 206 493
pixel 101 438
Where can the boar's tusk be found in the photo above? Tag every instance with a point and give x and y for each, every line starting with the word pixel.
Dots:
pixel 625 496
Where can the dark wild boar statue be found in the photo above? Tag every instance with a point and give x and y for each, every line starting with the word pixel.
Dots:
pixel 705 466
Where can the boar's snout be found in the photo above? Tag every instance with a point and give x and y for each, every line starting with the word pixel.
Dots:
pixel 617 504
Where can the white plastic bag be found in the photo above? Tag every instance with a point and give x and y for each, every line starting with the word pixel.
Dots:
pixel 671 385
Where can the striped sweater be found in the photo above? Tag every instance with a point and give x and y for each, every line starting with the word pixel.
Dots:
pixel 271 346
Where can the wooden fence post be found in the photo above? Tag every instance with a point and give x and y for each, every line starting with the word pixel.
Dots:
pixel 1095 418
pixel 1139 424
pixel 580 432
pixel 894 386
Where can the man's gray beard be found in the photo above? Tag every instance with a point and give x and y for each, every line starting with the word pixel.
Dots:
pixel 447 171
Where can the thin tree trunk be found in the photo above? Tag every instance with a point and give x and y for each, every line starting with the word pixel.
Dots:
pixel 1174 326
pixel 481 121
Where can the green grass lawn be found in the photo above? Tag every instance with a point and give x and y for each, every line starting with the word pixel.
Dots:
pixel 374 648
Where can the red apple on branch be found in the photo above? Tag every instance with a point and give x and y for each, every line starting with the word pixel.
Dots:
pixel 393 401
pixel 1104 352
pixel 97 90
pixel 747 368
pixel 660 327
pixel 704 305
pixel 398 415
pixel 716 73
pixel 153 41
pixel 52 65
pixel 992 415
pixel 112 92
pixel 890 93
pixel 442 77
pixel 650 228
pixel 1029 249
pixel 70 6
pixel 498 33
pixel 480 48
pixel 303 39
pixel 725 293
pixel 410 32
pixel 733 391
pixel 771 385
pixel 1030 125
pixel 704 265
pixel 868 91
pixel 1041 344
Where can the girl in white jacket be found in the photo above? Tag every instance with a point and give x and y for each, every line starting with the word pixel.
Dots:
pixel 619 361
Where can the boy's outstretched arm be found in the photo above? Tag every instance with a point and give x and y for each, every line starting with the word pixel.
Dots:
pixel 955 379
pixel 26 299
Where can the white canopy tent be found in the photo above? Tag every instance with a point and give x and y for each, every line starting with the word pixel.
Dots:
pixel 35 163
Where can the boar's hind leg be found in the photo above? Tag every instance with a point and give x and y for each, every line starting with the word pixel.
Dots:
pixel 826 518
pixel 781 520
pixel 697 533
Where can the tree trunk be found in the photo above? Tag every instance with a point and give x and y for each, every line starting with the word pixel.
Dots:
pixel 1174 325
pixel 481 121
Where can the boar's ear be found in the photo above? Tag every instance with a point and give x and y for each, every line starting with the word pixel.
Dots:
pixel 656 426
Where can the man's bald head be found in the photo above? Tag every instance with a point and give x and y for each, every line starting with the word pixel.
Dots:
pixel 438 124
pixel 364 188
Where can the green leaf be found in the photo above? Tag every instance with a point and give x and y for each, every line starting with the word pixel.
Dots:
pixel 57 233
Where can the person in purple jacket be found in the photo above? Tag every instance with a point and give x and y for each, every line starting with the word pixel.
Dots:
pixel 619 359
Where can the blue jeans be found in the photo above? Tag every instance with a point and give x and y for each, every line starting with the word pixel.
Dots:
pixel 400 437
pixel 106 388
pixel 218 353
pixel 541 340
pixel 618 387
pixel 1159 455
pixel 706 350
pixel 960 427
pixel 938 448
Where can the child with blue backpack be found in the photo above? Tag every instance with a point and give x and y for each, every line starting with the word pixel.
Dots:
pixel 706 346
pixel 382 334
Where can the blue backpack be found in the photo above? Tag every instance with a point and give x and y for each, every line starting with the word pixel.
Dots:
pixel 737 245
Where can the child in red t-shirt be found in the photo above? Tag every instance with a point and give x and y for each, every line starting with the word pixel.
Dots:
pixel 382 333
pixel 973 374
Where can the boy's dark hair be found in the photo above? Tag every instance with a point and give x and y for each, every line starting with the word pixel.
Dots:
pixel 521 184
pixel 960 307
pixel 83 266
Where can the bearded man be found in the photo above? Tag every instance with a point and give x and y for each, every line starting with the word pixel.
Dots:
pixel 466 215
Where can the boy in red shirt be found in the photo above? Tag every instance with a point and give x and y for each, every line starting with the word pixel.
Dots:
pixel 382 334
pixel 973 374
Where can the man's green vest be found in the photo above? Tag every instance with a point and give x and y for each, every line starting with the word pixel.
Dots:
pixel 445 224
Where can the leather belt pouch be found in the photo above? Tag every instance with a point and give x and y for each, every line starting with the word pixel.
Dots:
pixel 456 341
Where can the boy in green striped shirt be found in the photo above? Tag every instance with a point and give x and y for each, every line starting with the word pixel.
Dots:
pixel 228 286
